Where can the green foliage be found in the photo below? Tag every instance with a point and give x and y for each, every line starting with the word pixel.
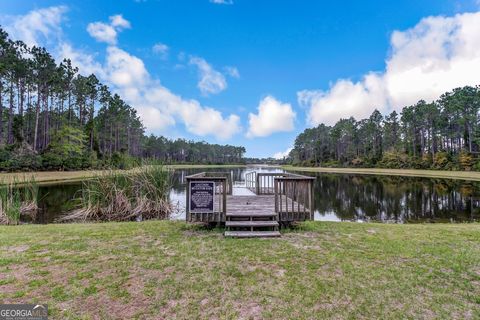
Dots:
pixel 394 160
pixel 122 160
pixel 440 160
pixel 66 149
pixel 465 160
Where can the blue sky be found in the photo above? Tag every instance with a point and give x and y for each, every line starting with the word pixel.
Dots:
pixel 257 73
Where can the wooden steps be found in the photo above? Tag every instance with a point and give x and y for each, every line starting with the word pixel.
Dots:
pixel 252 213
pixel 256 223
pixel 251 217
pixel 252 234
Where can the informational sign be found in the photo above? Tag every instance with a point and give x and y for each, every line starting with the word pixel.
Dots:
pixel 202 196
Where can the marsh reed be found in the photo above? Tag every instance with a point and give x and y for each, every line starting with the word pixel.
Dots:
pixel 142 194
pixel 18 198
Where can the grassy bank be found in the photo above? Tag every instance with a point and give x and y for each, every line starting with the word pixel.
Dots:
pixel 162 269
pixel 460 175
pixel 45 177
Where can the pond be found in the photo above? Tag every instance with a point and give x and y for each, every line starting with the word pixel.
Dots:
pixel 338 197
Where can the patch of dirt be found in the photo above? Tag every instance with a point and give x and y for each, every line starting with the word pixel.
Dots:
pixel 342 303
pixel 249 311
pixel 22 273
pixel 6 290
pixel 168 311
pixel 280 273
pixel 18 249
pixel 101 306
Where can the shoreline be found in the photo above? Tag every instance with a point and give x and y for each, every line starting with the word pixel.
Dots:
pixel 52 177
pixel 421 173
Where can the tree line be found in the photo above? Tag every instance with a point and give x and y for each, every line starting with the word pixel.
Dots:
pixel 442 134
pixel 53 117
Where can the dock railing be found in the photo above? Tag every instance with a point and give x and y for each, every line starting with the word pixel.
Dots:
pixel 223 187
pixel 250 178
pixel 265 182
pixel 294 200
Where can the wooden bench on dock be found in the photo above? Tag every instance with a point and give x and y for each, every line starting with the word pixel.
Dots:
pixel 276 199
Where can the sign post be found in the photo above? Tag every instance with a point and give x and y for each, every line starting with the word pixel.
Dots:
pixel 202 195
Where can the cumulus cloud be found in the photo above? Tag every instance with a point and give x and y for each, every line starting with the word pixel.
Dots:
pixel 210 80
pixel 37 25
pixel 108 33
pixel 86 61
pixel 118 21
pixel 157 105
pixel 435 56
pixel 161 50
pixel 273 116
pixel 281 155
pixel 128 76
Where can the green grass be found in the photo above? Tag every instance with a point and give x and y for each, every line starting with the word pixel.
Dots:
pixel 460 175
pixel 166 270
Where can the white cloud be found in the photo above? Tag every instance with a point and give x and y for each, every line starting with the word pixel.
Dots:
pixel 161 50
pixel 79 58
pixel 281 155
pixel 158 106
pixel 273 116
pixel 108 33
pixel 211 81
pixel 128 76
pixel 37 25
pixel 435 56
pixel 232 72
pixel 118 21
pixel 222 1
pixel 102 32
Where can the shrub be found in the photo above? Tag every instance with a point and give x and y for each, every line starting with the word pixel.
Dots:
pixel 121 160
pixel 426 161
pixel 465 160
pixel 357 162
pixel 394 160
pixel 441 160
pixel 66 149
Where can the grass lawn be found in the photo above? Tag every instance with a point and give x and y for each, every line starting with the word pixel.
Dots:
pixel 461 175
pixel 60 176
pixel 168 270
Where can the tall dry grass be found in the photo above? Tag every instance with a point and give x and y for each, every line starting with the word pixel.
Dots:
pixel 138 195
pixel 18 198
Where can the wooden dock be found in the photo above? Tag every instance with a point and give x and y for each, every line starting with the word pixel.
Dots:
pixel 275 200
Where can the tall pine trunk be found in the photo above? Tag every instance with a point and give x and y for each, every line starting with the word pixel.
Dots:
pixel 37 114
pixel 1 111
pixel 10 116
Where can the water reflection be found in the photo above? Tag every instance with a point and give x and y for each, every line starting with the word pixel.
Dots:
pixel 395 199
pixel 338 197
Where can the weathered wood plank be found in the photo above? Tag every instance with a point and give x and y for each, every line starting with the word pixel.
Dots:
pixel 251 224
pixel 252 234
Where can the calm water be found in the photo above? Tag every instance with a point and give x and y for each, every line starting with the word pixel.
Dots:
pixel 338 197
